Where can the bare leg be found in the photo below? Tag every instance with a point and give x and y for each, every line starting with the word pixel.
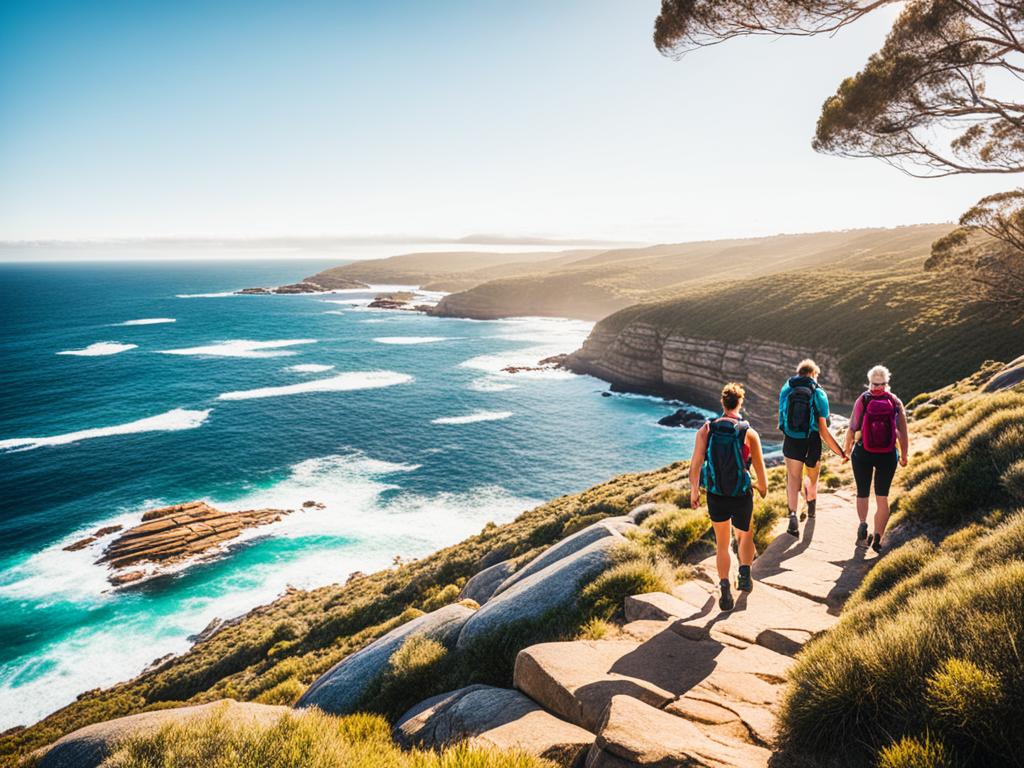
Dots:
pixel 862 509
pixel 722 536
pixel 794 477
pixel 746 546
pixel 881 514
pixel 812 481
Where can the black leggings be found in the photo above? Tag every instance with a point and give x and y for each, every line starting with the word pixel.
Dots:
pixel 882 464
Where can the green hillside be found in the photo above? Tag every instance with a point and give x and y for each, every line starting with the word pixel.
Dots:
pixel 593 287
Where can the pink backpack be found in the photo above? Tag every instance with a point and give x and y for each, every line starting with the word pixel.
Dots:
pixel 878 424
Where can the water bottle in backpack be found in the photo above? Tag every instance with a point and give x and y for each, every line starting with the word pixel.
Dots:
pixel 878 426
pixel 726 471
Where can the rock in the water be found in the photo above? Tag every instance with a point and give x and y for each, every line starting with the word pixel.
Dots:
pixel 340 688
pixel 253 291
pixel 176 533
pixel 637 734
pixel 303 287
pixel 484 584
pixel 553 587
pixel 80 544
pixel 690 418
pixel 495 717
pixel 107 529
pixel 89 746
pixel 611 526
pixel 126 577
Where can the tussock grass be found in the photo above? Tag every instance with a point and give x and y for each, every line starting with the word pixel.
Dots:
pixel 310 740
pixel 911 752
pixel 603 598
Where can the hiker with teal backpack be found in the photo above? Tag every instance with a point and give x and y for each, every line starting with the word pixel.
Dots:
pixel 804 419
pixel 878 423
pixel 723 453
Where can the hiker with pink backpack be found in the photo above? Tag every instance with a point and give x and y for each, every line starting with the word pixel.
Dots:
pixel 878 423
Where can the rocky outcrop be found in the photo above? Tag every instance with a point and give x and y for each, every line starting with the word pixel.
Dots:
pixel 609 527
pixel 88 747
pixel 644 358
pixel 180 532
pixel 552 587
pixel 305 286
pixel 690 418
pixel 484 584
pixel 340 688
pixel 1009 376
pixel 494 717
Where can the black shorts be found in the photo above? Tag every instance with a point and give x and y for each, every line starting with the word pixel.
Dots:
pixel 882 465
pixel 807 450
pixel 739 509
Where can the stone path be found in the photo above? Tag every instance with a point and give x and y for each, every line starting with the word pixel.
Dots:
pixel 687 684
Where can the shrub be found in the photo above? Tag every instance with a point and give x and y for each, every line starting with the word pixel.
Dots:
pixel 604 597
pixel 911 752
pixel 311 740
pixel 677 530
pixel 593 629
pixel 896 566
pixel 1013 482
pixel 441 598
pixel 965 697
pixel 286 692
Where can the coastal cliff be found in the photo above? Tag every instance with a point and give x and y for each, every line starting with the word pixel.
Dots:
pixel 641 357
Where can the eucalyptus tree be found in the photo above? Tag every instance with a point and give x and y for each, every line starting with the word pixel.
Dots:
pixel 944 95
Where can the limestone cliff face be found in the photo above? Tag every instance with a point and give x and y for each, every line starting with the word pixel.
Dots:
pixel 643 358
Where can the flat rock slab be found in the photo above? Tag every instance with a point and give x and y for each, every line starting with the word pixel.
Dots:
pixel 633 733
pixel 549 589
pixel 576 680
pixel 340 688
pixel 609 527
pixel 659 606
pixel 88 747
pixel 495 717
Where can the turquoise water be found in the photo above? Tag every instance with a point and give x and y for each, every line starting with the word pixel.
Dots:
pixel 420 442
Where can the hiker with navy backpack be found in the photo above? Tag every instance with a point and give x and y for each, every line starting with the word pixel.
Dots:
pixel 725 449
pixel 878 423
pixel 804 419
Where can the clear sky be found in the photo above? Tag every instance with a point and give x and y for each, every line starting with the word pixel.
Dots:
pixel 551 118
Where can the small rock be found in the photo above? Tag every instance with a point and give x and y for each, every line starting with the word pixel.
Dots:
pixel 684 417
pixel 127 577
pixel 252 291
pixel 80 544
pixel 107 530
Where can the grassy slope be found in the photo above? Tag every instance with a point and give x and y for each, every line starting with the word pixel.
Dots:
pixel 278 649
pixel 925 669
pixel 593 287
pixel 445 271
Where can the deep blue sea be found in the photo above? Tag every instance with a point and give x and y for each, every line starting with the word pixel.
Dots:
pixel 403 425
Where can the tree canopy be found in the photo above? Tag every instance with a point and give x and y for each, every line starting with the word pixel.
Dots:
pixel 944 95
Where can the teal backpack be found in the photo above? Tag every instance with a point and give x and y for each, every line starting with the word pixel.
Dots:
pixel 725 473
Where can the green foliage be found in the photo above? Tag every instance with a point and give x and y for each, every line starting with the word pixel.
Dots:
pixel 593 629
pixel 896 566
pixel 441 598
pixel 966 698
pixel 310 740
pixel 767 512
pixel 604 596
pixel 1013 482
pixel 677 530
pixel 972 457
pixel 913 752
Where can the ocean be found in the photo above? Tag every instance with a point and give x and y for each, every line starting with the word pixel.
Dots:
pixel 127 386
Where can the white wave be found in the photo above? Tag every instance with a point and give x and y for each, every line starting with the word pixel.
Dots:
pixel 100 348
pixel 470 418
pixel 348 302
pixel 171 421
pixel 308 368
pixel 149 321
pixel 411 339
pixel 343 382
pixel 210 295
pixel 360 529
pixel 372 320
pixel 242 348
pixel 334 312
pixel 490 384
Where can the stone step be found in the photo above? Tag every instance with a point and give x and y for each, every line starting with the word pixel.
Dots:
pixel 633 733
pixel 495 717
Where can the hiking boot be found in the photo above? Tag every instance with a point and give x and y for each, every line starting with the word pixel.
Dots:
pixel 794 526
pixel 744 583
pixel 862 532
pixel 725 602
pixel 876 543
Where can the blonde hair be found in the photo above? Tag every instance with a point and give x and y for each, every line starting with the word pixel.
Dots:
pixel 808 367
pixel 732 395
pixel 879 371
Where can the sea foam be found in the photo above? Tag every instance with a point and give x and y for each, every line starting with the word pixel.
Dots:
pixel 171 421
pixel 242 348
pixel 100 348
pixel 470 418
pixel 149 321
pixel 410 339
pixel 343 382
pixel 308 368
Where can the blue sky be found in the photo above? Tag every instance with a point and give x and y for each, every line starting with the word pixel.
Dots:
pixel 554 118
